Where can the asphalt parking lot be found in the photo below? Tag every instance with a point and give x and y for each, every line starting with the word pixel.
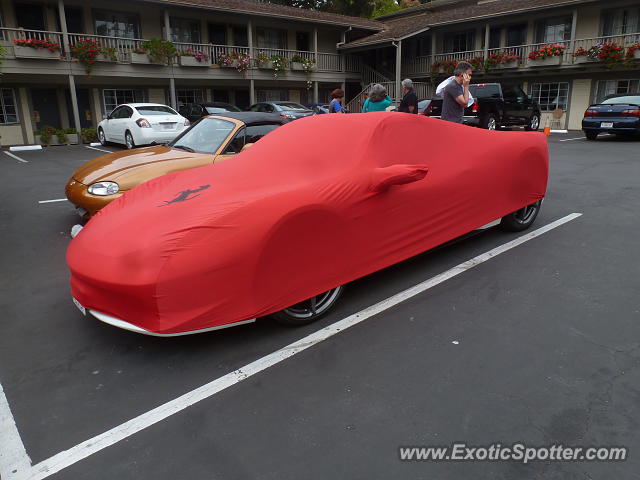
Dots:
pixel 540 345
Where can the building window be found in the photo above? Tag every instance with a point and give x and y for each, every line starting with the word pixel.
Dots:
pixel 116 24
pixel 9 114
pixel 621 21
pixel 613 87
pixel 550 95
pixel 272 38
pixel 114 97
pixel 495 37
pixel 516 35
pixel 302 41
pixel 185 31
pixel 217 33
pixel 240 37
pixel 185 96
pixel 272 95
pixel 30 16
pixel 553 30
pixel 459 42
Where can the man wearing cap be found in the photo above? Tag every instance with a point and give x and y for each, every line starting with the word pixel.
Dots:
pixel 409 103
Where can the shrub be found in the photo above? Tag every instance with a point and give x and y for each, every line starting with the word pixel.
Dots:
pixel 110 53
pixel 62 137
pixel 160 51
pixel 89 135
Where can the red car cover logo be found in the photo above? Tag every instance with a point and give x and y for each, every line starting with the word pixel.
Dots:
pixel 185 195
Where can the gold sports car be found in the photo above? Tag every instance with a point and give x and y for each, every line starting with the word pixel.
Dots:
pixel 210 140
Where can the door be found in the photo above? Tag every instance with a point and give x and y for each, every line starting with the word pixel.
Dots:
pixel 116 124
pixel 45 107
pixel 243 101
pixel 84 108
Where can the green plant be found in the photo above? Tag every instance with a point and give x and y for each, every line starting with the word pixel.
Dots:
pixel 262 57
pixel 46 134
pixel 70 131
pixel 86 51
pixel 110 53
pixel 160 51
pixel 89 135
pixel 62 137
pixel 280 64
pixel 546 51
pixel 297 59
pixel 3 52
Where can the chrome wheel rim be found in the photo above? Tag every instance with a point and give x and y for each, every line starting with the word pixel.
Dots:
pixel 524 215
pixel 535 123
pixel 102 137
pixel 314 306
pixel 491 125
pixel 129 141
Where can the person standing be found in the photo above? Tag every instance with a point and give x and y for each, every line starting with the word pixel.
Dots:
pixel 336 103
pixel 378 100
pixel 409 103
pixel 455 96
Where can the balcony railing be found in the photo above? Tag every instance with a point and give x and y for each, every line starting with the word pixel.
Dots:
pixel 423 64
pixel 120 49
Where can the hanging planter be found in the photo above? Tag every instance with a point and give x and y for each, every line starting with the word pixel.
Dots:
pixel 32 48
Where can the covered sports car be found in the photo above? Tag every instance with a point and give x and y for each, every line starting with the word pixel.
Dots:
pixel 312 206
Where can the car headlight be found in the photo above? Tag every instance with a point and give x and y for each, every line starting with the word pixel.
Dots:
pixel 103 188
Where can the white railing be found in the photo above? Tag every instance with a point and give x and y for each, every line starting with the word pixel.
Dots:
pixel 369 76
pixel 459 56
pixel 11 34
pixel 120 47
pixel 212 51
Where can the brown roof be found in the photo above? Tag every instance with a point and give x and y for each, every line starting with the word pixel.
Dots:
pixel 418 19
pixel 274 10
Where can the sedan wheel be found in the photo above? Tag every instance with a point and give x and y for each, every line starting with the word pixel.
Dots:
pixel 128 138
pixel 490 123
pixel 102 137
pixel 521 219
pixel 534 123
pixel 309 310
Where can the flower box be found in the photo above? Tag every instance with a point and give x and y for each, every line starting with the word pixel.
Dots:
pixel 142 58
pixel 511 64
pixel 583 59
pixel 105 58
pixel 297 66
pixel 545 62
pixel 266 65
pixel 28 52
pixel 72 138
pixel 192 62
pixel 233 64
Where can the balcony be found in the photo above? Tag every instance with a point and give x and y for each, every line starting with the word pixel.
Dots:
pixel 118 50
pixel 579 53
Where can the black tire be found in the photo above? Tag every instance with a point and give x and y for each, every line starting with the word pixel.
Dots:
pixel 490 122
pixel 309 310
pixel 128 140
pixel 591 135
pixel 521 219
pixel 534 123
pixel 102 138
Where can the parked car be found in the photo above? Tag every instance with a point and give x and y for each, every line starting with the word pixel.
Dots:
pixel 318 108
pixel 280 230
pixel 619 114
pixel 288 110
pixel 495 106
pixel 135 124
pixel 195 111
pixel 213 139
pixel 423 105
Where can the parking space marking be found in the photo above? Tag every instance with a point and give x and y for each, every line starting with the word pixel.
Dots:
pixel 55 200
pixel 85 449
pixel 100 149
pixel 16 157
pixel 13 456
pixel 570 139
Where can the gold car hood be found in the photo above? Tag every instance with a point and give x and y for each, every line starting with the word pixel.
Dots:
pixel 130 168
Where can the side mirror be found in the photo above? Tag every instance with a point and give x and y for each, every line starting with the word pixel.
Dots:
pixel 106 116
pixel 400 174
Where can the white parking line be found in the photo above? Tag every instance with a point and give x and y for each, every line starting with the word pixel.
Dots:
pixel 16 157
pixel 83 450
pixel 570 139
pixel 13 456
pixel 98 149
pixel 55 200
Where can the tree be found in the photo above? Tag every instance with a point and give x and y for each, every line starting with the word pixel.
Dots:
pixel 385 7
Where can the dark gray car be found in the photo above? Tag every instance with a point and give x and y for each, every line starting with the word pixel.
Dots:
pixel 288 110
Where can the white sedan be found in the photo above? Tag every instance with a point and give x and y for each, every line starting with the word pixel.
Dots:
pixel 135 124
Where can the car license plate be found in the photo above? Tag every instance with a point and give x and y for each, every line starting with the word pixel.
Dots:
pixel 168 126
pixel 80 307
pixel 606 125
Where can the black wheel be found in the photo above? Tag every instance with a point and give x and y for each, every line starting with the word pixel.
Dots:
pixel 490 122
pixel 310 310
pixel 591 135
pixel 128 140
pixel 534 123
pixel 102 137
pixel 521 219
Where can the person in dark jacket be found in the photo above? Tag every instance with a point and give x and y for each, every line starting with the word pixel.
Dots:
pixel 409 103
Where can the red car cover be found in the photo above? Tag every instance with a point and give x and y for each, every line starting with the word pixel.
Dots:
pixel 315 204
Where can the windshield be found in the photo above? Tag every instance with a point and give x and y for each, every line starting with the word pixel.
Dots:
pixel 156 110
pixel 485 91
pixel 627 100
pixel 292 106
pixel 206 136
pixel 221 109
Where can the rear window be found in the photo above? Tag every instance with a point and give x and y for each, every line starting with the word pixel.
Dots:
pixel 214 110
pixel 156 110
pixel 292 106
pixel 485 91
pixel 256 132
pixel 628 99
